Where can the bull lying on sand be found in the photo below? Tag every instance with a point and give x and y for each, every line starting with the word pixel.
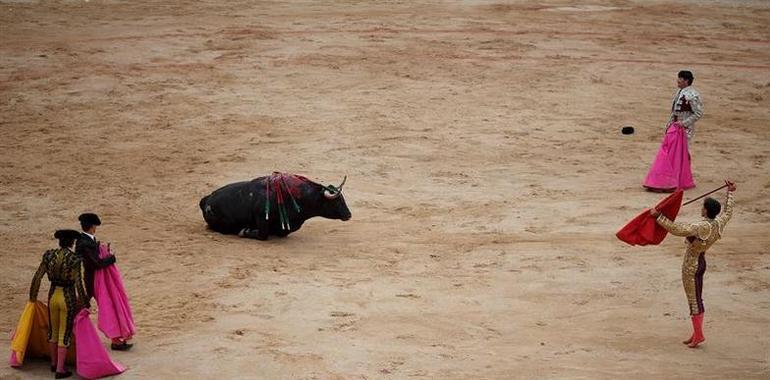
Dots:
pixel 275 205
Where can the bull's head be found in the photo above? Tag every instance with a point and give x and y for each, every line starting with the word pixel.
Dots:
pixel 335 206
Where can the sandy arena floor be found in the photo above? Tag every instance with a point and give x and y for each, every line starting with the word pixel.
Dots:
pixel 486 177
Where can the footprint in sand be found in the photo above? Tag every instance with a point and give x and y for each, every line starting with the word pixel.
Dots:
pixel 346 321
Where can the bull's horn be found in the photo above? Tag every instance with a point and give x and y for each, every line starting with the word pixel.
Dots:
pixel 331 192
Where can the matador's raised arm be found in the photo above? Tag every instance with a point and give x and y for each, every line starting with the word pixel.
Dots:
pixel 727 213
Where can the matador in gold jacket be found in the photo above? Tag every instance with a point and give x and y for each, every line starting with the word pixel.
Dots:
pixel 65 297
pixel 699 238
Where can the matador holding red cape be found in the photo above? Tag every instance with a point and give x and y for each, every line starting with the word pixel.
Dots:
pixel 700 236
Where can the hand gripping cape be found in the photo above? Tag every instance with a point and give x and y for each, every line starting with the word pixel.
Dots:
pixel 644 230
pixel 30 340
pixel 115 319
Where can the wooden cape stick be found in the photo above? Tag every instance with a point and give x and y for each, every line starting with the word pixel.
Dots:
pixel 710 192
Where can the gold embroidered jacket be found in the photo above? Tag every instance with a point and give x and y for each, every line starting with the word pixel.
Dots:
pixel 64 270
pixel 704 232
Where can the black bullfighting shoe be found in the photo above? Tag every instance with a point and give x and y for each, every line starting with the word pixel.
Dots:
pixel 125 346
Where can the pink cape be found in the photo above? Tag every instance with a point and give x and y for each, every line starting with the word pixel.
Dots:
pixel 115 317
pixel 86 350
pixel 93 361
pixel 671 168
pixel 644 230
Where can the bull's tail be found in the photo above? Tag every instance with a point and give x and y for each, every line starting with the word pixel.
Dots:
pixel 202 203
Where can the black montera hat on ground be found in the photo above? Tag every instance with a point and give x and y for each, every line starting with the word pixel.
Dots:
pixel 627 130
pixel 89 218
pixel 66 234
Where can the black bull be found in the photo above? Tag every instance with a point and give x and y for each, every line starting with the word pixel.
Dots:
pixel 273 205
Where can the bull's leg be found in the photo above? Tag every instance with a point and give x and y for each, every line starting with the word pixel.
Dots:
pixel 215 223
pixel 264 229
pixel 252 233
pixel 222 229
pixel 258 230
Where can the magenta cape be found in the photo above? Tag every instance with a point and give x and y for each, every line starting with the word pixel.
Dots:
pixel 115 317
pixel 644 230
pixel 92 359
pixel 671 168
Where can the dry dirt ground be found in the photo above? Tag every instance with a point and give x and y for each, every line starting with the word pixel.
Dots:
pixel 486 177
